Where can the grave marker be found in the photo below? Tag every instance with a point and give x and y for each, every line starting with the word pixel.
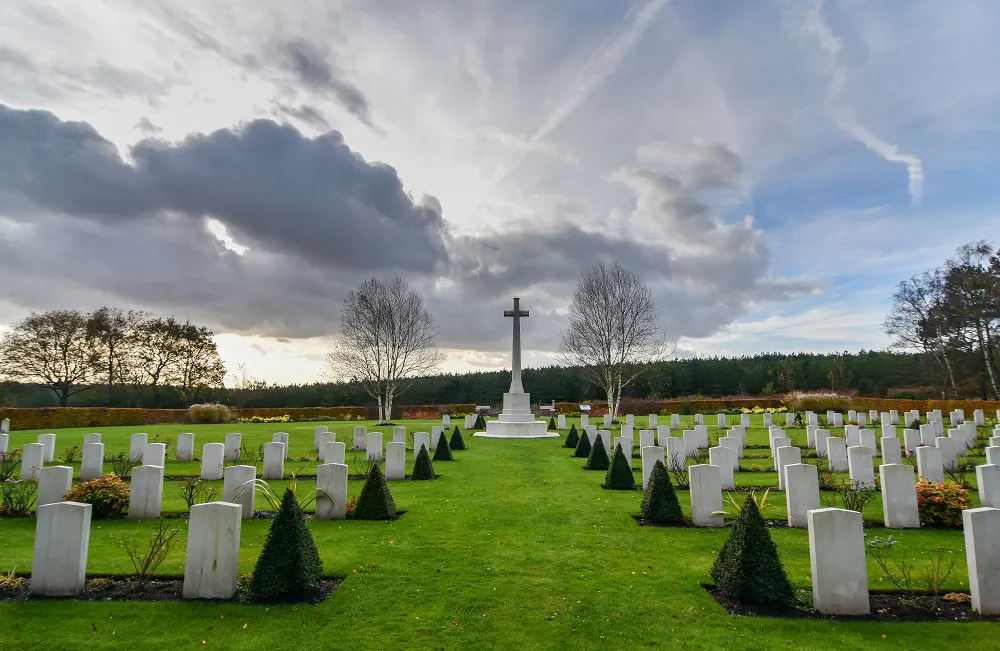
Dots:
pixel 212 556
pixel 62 540
pixel 146 496
pixel 331 491
pixel 212 460
pixel 706 495
pixel 395 461
pixel 801 493
pixel 899 496
pixel 53 483
pixel 238 488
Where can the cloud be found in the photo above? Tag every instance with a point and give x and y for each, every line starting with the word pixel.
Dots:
pixel 312 68
pixel 304 112
pixel 147 128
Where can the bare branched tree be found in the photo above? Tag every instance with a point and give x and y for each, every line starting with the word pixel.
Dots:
pixel 386 336
pixel 115 330
pixel 614 330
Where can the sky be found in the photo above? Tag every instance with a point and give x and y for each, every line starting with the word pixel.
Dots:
pixel 771 169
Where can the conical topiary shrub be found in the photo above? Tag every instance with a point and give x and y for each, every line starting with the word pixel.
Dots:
pixel 619 475
pixel 748 569
pixel 375 501
pixel 457 442
pixel 659 504
pixel 443 451
pixel 422 466
pixel 598 459
pixel 583 446
pixel 289 562
pixel 572 438
pixel 552 423
pixel 480 422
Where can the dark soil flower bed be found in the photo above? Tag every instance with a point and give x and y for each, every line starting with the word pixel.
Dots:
pixel 885 607
pixel 124 589
pixel 642 522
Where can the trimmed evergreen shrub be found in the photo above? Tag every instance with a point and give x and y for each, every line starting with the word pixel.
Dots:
pixel 583 446
pixel 422 466
pixel 659 504
pixel 747 568
pixel 572 438
pixel 598 458
pixel 443 451
pixel 375 501
pixel 619 475
pixel 289 562
pixel 480 422
pixel 457 442
pixel 552 423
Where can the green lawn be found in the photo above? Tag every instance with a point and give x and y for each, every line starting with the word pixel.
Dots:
pixel 514 545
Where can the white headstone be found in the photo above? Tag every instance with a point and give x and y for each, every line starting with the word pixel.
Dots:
pixel 331 491
pixel 675 421
pixel 836 451
pixel 899 496
pixel 53 483
pixel 646 438
pixel 421 439
pixel 867 437
pixel 628 431
pixel 436 433
pixel 821 440
pixel 395 461
pixel 4 442
pixel 146 497
pixel 859 463
pixel 720 421
pixel 650 455
pixel 62 540
pixel 316 432
pixel 676 458
pixel 722 458
pixel 948 451
pixel 4 426
pixel 777 442
pixel 185 446
pixel 706 495
pixel 837 561
pixel 48 441
pixel 606 440
pixel 929 464
pixel 982 555
pixel 446 421
pixel 333 452
pixel 862 419
pixel 607 421
pixel 361 436
pixel 927 434
pixel 767 419
pixel 624 446
pixel 690 443
pixel 280 437
pixel 853 435
pixel 91 438
pixel 653 422
pixel 888 431
pixel 745 420
pixel 911 440
pixel 891 451
pixel 137 447
pixel 155 454
pixel 561 422
pixel 213 551
pixel 32 460
pixel 584 420
pixel 630 420
pixel 212 460
pixel 373 445
pixel 893 417
pixel 662 434
pixel 784 456
pixel 324 439
pixel 92 461
pixel 733 444
pixel 790 420
pixel 238 488
pixel 988 481
pixel 801 493
pixel 852 416
pixel 992 455
pixel 274 460
pixel 234 440
pixel 699 419
pixel 399 434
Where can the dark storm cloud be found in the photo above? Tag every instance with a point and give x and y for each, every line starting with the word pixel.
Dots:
pixel 312 68
pixel 304 112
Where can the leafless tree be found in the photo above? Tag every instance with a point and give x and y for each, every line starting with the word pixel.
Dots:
pixel 54 349
pixel 386 336
pixel 614 330
pixel 115 330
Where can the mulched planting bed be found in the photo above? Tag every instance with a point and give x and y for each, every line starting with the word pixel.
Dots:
pixel 645 523
pixel 885 607
pixel 121 589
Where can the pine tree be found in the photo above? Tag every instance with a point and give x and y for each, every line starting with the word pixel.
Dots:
pixel 619 476
pixel 583 447
pixel 659 504
pixel 747 568
pixel 289 562
pixel 422 466
pixel 552 423
pixel 457 442
pixel 598 459
pixel 443 451
pixel 572 438
pixel 375 501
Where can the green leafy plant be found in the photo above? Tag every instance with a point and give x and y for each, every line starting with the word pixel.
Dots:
pixel 18 497
pixel 211 414
pixel 572 438
pixel 11 583
pixel 10 464
pixel 747 568
pixel 196 491
pixel 70 454
pixel 733 506
pixel 598 459
pixel 443 452
pixel 619 475
pixel 109 495
pixel 941 504
pixel 245 456
pixel 961 473
pixel 271 496
pixel 145 560
pixel 582 449
pixel 122 465
pixel 457 442
pixel 921 588
pixel 854 496
pixel 375 501
pixel 422 467
pixel 289 562
pixel 659 503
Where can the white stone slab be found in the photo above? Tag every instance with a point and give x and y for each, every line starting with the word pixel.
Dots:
pixel 859 464
pixel 988 481
pixel 238 488
pixel 867 437
pixel 625 445
pixel 212 460
pixel 373 446
pixel 650 455
pixel 361 436
pixel 801 493
pixel 785 456
pixel 423 439
pixel 992 455
pixel 92 461
pixel 911 441
pixel 899 496
pixel 745 420
pixel 62 540
pixel 675 421
pixel 4 426
pixel 48 442
pixel 91 438
pixel 280 437
pixel 137 447
pixel 274 460
pixel 607 421
pixel 234 441
pixel 699 419
pixel 212 554
pixel 888 431
pixel 32 460
pixel 4 443
pixel 929 464
pixel 653 421
pixel 561 422
pixel 821 442
pixel 675 455
pixel 862 420
pixel 606 438
pixel 395 461
pixel 399 433
pixel 436 433
pixel 837 561
pixel 53 483
pixel 146 494
pixel 316 432
pixel 836 450
pixel 722 458
pixel 690 443
pixel 155 454
pixel 630 420
pixel 647 438
pixel 628 432
pixel 779 442
pixel 185 446
pixel 324 439
pixel 982 554
pixel 891 450
pixel 852 433
pixel 767 419
pixel 706 495
pixel 445 421
pixel 948 449
pixel 790 419
pixel 334 452
pixel 331 491
pixel 720 421
pixel 733 444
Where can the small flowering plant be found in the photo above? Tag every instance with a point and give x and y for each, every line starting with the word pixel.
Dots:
pixel 941 504
pixel 109 496
pixel 70 455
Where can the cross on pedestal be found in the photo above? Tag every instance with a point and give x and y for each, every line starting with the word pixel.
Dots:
pixel 515 356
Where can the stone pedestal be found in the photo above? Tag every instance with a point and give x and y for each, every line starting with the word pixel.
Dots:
pixel 185 446
pixel 837 560
pixel 516 421
pixel 212 455
pixel 801 493
pixel 238 488
pixel 982 554
pixel 333 452
pixel 706 495
pixel 92 461
pixel 213 551
pixel 62 540
pixel 137 447
pixel 899 496
pixel 146 495
pixel 53 483
pixel 395 461
pixel 331 491
pixel 274 460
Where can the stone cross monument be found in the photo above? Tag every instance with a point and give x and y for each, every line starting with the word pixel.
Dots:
pixel 516 419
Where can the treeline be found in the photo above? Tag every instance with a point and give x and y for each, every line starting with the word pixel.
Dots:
pixel 109 357
pixel 869 373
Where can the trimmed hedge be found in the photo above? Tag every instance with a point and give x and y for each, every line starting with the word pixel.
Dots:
pixel 582 449
pixel 659 503
pixel 572 438
pixel 443 451
pixel 375 501
pixel 598 458
pixel 289 561
pixel 422 466
pixel 457 442
pixel 619 475
pixel 48 418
